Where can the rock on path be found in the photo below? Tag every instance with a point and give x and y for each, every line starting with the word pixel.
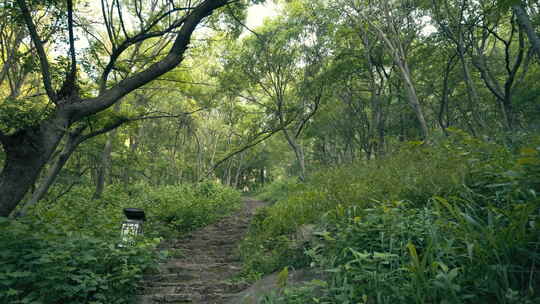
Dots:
pixel 206 264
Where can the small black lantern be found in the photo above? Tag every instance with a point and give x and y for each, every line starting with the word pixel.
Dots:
pixel 133 226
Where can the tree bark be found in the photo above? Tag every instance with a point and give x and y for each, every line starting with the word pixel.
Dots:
pixel 413 98
pixel 525 22
pixel 75 138
pixel 27 151
pixel 72 143
pixel 298 152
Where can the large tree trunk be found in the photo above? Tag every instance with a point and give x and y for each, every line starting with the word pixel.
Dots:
pixel 72 142
pixel 26 153
pixel 74 139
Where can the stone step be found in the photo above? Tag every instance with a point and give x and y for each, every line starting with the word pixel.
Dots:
pixel 168 298
pixel 159 284
pixel 150 290
pixel 172 277
pixel 189 287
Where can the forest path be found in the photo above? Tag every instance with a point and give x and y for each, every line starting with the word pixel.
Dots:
pixel 208 260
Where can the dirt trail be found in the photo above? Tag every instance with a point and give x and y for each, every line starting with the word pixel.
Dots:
pixel 202 273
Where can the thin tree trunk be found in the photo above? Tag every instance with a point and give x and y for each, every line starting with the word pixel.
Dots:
pixel 262 176
pixel 413 98
pixel 104 166
pixel 504 94
pixel 444 98
pixel 298 152
pixel 105 161
pixel 12 55
pixel 472 93
pixel 239 170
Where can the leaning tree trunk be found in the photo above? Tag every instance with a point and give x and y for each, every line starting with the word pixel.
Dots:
pixel 71 144
pixel 74 139
pixel 27 152
pixel 399 57
pixel 413 98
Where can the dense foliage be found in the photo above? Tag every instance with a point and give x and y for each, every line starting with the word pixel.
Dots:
pixel 54 256
pixel 455 222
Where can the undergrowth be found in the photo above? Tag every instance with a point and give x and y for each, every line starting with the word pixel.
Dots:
pixel 452 222
pixel 66 250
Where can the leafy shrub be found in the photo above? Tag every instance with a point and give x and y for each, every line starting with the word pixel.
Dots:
pixel 40 264
pixel 65 250
pixel 170 210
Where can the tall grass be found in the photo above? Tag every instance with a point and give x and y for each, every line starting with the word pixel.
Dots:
pixel 454 222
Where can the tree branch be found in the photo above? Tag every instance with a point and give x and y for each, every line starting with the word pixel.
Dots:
pixel 70 79
pixel 187 82
pixel 164 115
pixel 242 23
pixel 105 20
pixel 108 97
pixel 244 148
pixel 143 35
pixel 119 9
pixel 45 70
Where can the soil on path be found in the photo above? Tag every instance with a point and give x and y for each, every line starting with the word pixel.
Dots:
pixel 206 263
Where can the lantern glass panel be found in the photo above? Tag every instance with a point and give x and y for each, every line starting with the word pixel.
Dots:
pixel 129 230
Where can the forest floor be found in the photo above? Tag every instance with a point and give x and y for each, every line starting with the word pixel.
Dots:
pixel 204 264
